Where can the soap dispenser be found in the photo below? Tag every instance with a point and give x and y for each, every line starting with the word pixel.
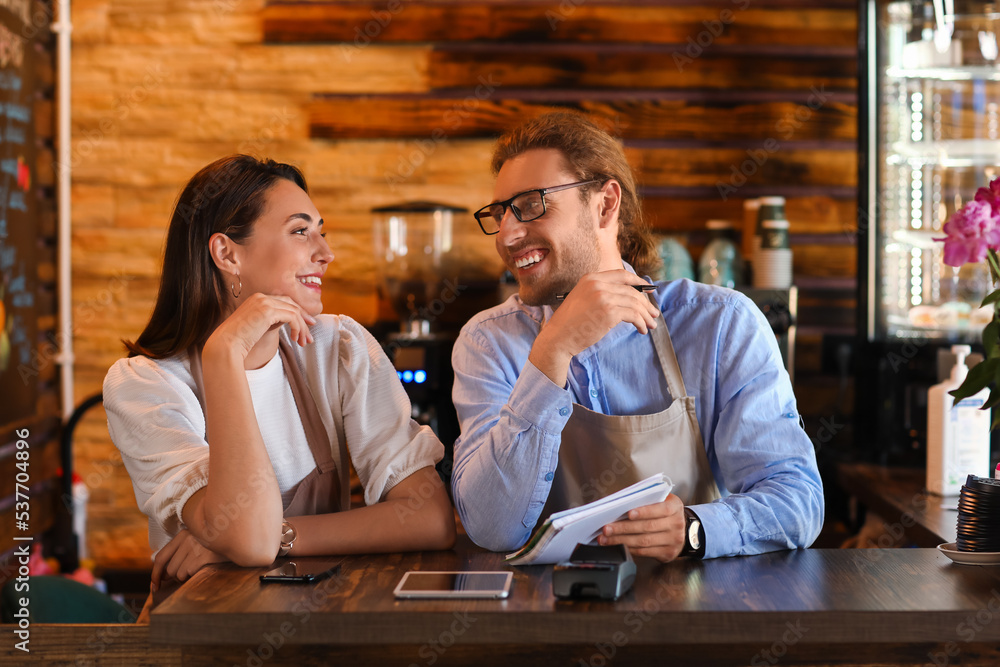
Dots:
pixel 958 434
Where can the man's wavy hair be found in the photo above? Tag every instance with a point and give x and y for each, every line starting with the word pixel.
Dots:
pixel 591 154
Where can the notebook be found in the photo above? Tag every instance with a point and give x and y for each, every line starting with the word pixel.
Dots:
pixel 555 539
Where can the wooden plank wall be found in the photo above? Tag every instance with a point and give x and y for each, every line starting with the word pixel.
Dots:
pixel 392 100
pixel 715 102
pixel 43 425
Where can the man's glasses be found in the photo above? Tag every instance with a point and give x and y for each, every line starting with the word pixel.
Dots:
pixel 527 206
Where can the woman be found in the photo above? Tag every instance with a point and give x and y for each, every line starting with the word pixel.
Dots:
pixel 238 401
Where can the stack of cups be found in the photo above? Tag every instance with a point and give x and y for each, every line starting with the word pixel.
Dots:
pixel 772 256
pixel 978 514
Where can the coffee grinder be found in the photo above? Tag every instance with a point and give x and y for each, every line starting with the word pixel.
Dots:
pixel 432 271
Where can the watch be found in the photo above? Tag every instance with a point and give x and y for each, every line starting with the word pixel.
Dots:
pixel 694 535
pixel 288 536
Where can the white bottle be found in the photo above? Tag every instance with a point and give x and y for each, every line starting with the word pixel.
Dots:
pixel 958 435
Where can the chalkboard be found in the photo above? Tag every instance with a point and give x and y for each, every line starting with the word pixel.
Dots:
pixel 19 227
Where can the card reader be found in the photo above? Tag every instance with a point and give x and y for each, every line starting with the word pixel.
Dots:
pixel 605 572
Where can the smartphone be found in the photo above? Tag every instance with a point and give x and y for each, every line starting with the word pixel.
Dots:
pixel 454 585
pixel 302 571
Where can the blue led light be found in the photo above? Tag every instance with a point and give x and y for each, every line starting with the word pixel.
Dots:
pixel 399 374
pixel 420 377
pixel 407 376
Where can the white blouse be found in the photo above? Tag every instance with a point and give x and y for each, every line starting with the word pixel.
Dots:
pixel 156 421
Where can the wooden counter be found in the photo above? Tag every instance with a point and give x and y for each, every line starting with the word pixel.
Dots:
pixel 898 496
pixel 846 595
pixel 816 607
pixel 840 605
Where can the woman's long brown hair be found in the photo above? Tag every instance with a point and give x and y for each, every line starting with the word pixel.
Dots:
pixel 225 197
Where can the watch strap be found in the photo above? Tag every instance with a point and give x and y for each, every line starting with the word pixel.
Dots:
pixel 689 550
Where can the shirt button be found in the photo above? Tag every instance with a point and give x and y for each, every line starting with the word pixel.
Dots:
pixel 593 393
pixel 563 412
pixel 548 477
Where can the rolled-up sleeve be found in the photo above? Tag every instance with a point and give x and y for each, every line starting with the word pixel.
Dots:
pixel 385 443
pixel 156 422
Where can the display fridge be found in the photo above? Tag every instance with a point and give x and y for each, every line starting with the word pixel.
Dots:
pixel 929 137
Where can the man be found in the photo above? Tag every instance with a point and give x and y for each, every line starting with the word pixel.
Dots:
pixel 565 399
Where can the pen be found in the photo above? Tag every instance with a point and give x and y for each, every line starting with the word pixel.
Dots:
pixel 642 288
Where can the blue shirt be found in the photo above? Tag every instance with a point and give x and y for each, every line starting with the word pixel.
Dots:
pixel 512 417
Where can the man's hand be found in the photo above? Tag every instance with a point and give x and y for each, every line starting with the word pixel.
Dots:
pixel 599 302
pixel 181 557
pixel 652 530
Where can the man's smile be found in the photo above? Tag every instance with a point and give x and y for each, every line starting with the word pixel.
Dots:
pixel 529 258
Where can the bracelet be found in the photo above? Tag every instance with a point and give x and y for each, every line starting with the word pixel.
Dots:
pixel 288 536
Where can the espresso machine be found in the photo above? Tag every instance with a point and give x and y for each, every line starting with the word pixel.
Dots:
pixel 436 270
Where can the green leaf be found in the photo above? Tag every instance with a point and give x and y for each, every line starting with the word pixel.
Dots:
pixel 991 339
pixel 992 297
pixel 977 379
pixel 993 400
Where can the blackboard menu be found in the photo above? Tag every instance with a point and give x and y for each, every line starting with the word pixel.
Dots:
pixel 19 227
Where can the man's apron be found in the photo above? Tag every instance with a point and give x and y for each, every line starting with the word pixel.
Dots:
pixel 601 454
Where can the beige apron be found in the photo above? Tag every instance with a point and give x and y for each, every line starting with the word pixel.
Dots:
pixel 325 490
pixel 601 454
pixel 322 491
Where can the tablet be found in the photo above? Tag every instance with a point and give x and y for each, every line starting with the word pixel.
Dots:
pixel 454 585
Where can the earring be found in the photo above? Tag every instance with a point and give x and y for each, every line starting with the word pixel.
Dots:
pixel 232 288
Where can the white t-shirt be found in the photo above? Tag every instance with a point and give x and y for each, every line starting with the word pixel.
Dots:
pixel 280 426
pixel 156 421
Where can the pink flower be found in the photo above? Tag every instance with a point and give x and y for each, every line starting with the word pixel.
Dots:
pixel 973 229
pixel 990 195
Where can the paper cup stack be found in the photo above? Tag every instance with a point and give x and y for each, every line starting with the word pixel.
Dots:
pixel 978 514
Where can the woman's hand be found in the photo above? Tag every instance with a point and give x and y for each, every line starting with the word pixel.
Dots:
pixel 182 557
pixel 256 316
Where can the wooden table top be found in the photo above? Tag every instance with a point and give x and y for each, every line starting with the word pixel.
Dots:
pixel 878 595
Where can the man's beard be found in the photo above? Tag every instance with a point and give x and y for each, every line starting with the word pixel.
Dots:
pixel 580 256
